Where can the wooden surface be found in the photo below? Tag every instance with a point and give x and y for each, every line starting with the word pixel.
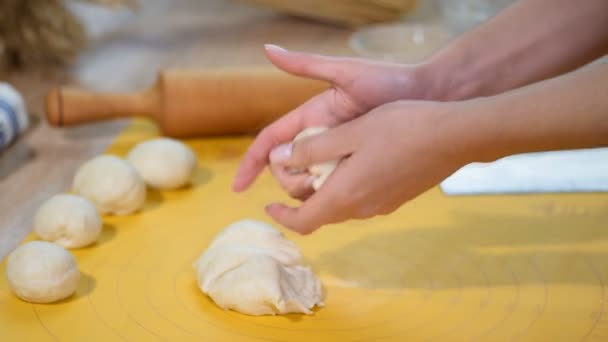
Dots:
pixel 126 54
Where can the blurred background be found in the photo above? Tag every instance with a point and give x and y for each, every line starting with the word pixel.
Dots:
pixel 119 45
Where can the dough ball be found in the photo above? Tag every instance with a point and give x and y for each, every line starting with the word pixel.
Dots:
pixel 250 267
pixel 112 184
pixel 320 171
pixel 69 220
pixel 163 163
pixel 42 272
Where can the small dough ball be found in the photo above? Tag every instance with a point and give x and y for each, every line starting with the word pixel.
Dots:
pixel 163 163
pixel 320 171
pixel 112 184
pixel 42 272
pixel 69 220
pixel 250 267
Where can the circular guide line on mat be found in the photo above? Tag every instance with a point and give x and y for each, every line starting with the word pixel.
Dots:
pixel 461 260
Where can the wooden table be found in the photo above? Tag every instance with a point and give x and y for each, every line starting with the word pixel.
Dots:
pixel 163 34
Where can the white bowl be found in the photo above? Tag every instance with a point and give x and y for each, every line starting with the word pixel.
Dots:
pixel 399 42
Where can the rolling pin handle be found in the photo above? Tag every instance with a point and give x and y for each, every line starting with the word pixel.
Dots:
pixel 67 107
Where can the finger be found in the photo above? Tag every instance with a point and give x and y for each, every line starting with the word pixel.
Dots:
pixel 333 144
pixel 281 131
pixel 324 68
pixel 330 204
pixel 345 195
pixel 316 211
pixel 298 185
pixel 299 219
pixel 256 157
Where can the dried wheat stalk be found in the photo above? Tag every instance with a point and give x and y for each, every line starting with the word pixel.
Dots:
pixel 34 32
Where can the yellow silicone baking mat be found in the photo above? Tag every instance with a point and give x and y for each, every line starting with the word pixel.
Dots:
pixel 486 268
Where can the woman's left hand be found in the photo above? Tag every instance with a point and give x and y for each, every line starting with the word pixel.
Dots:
pixel 391 155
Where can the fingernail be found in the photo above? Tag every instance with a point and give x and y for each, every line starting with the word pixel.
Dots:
pixel 281 153
pixel 274 48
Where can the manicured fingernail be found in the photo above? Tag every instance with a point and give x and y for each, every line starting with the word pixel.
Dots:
pixel 274 48
pixel 281 153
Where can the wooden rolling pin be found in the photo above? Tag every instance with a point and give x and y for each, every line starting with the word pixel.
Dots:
pixel 187 103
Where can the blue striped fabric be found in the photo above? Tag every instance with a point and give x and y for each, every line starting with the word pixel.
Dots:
pixel 2 137
pixel 12 116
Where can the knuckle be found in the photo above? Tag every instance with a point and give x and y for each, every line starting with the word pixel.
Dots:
pixel 293 191
pixel 302 195
pixel 265 135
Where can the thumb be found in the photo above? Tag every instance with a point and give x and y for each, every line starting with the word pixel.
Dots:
pixel 323 68
pixel 333 144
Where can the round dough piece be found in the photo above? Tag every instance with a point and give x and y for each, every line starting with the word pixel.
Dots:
pixel 68 220
pixel 42 272
pixel 112 184
pixel 320 171
pixel 250 267
pixel 163 163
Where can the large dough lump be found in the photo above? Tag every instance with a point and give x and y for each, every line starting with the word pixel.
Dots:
pixel 163 163
pixel 69 220
pixel 250 267
pixel 42 272
pixel 112 184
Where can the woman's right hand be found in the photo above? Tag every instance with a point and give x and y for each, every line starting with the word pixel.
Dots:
pixel 357 87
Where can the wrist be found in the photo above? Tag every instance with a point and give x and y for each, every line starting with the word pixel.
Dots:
pixel 451 75
pixel 474 131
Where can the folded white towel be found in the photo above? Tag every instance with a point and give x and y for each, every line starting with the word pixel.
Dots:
pixel 547 172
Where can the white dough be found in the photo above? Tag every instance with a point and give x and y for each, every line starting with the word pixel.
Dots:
pixel 42 272
pixel 112 184
pixel 320 171
pixel 250 267
pixel 163 163
pixel 69 220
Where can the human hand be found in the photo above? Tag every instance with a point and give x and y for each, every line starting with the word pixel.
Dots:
pixel 357 86
pixel 391 155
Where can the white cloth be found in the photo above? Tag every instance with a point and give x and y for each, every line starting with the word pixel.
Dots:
pixel 547 172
